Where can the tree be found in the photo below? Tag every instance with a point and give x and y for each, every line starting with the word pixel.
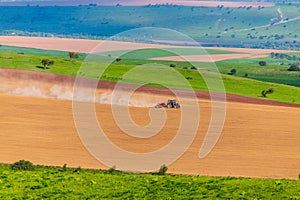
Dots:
pixel 73 55
pixel 265 92
pixel 293 67
pixel 232 72
pixel 262 63
pixel 47 62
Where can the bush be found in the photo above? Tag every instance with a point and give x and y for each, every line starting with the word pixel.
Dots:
pixel 270 91
pixel 64 168
pixel 118 59
pixel 162 170
pixel 112 170
pixel 77 170
pixel 73 55
pixel 172 65
pixel 22 165
pixel 232 72
pixel 194 68
pixel 262 63
pixel 294 67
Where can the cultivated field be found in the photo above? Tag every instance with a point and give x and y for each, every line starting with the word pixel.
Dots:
pixel 94 118
pixel 257 141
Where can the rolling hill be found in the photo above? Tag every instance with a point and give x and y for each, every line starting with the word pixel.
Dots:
pixel 259 27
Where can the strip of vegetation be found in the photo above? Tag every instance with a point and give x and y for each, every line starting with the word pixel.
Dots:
pixel 77 183
pixel 34 51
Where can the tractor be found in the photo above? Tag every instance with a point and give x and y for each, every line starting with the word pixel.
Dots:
pixel 170 104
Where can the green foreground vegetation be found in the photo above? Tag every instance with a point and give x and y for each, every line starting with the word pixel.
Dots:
pixel 43 182
pixel 30 59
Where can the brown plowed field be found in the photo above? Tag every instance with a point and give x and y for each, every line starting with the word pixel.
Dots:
pixel 87 46
pixel 257 140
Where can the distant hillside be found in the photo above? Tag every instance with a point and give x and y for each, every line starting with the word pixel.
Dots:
pixel 262 27
pixel 274 1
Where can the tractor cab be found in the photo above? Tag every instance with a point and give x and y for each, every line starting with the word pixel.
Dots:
pixel 172 103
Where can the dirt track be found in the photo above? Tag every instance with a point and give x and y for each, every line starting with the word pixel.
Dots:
pixel 257 140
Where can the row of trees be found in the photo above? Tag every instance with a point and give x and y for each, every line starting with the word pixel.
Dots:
pixel 293 67
pixel 284 56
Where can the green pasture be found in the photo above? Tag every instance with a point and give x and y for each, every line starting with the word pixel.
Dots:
pixel 70 183
pixel 276 70
pixel 164 52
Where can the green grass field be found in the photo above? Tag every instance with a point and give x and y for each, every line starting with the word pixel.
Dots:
pixel 275 71
pixel 164 52
pixel 67 183
pixel 233 84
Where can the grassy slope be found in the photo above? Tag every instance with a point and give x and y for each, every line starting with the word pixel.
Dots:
pixel 54 183
pixel 273 72
pixel 212 25
pixel 234 85
pixel 164 52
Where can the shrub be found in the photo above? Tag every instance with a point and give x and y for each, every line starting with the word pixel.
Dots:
pixel 293 67
pixel 246 75
pixel 172 65
pixel 162 170
pixel 22 165
pixel 262 63
pixel 64 168
pixel 73 55
pixel 112 170
pixel 270 91
pixel 194 68
pixel 232 72
pixel 118 59
pixel 77 170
